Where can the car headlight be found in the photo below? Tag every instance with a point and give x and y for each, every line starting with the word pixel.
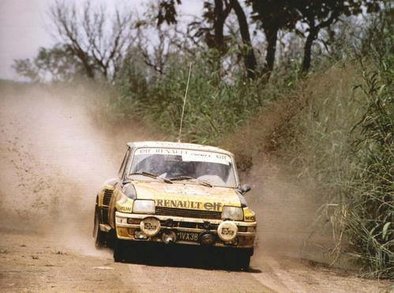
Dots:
pixel 232 213
pixel 129 191
pixel 144 207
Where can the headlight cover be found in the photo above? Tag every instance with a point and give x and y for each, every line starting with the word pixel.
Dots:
pixel 232 213
pixel 144 207
pixel 129 191
pixel 227 231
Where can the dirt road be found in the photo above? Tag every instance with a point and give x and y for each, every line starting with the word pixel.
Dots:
pixel 53 159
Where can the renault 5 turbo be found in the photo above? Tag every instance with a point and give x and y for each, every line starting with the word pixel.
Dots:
pixel 176 194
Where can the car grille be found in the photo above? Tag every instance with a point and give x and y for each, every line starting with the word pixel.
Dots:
pixel 163 211
pixel 192 225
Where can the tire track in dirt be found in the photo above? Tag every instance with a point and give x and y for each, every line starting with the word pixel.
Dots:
pixel 184 279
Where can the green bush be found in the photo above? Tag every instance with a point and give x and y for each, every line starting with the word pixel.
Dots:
pixel 214 107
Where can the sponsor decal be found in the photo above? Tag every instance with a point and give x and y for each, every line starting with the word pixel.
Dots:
pixel 188 204
pixel 250 218
pixel 227 231
pixel 188 155
pixel 150 226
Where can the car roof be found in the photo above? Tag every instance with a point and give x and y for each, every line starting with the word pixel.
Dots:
pixel 168 144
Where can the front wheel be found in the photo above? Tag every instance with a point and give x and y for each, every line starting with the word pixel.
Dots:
pixel 98 235
pixel 237 259
pixel 120 251
pixel 243 261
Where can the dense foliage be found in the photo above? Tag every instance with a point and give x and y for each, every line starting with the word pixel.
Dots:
pixel 370 196
pixel 343 141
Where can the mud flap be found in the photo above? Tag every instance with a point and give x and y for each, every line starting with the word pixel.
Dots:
pixel 100 237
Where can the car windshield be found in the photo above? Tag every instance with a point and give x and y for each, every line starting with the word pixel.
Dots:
pixel 180 165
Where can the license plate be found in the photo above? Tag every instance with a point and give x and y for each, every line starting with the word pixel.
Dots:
pixel 187 236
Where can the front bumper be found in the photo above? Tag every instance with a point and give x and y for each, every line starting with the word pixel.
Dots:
pixel 188 230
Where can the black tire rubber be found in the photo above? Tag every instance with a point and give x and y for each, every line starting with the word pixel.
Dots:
pixel 119 251
pixel 98 235
pixel 243 260
pixel 237 259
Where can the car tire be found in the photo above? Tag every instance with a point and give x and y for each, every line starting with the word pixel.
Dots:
pixel 98 235
pixel 237 259
pixel 120 251
pixel 243 260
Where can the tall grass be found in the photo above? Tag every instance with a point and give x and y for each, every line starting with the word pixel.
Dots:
pixel 370 200
pixel 214 107
pixel 343 142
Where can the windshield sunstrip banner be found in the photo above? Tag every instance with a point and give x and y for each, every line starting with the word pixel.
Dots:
pixel 188 155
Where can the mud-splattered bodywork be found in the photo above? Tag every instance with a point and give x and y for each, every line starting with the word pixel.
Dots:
pixel 141 208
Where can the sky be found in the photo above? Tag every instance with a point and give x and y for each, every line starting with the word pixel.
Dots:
pixel 22 31
pixel 24 28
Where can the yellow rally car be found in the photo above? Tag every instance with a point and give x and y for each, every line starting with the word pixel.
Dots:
pixel 177 193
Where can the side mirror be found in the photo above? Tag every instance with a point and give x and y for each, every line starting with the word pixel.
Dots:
pixel 244 188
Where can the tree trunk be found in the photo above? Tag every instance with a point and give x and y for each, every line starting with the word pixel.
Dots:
pixel 84 58
pixel 248 53
pixel 220 18
pixel 272 37
pixel 306 63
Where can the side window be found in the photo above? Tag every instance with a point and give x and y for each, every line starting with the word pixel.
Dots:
pixel 124 163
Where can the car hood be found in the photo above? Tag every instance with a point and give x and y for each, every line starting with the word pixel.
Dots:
pixel 187 196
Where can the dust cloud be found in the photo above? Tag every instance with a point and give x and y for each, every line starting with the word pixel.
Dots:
pixel 286 206
pixel 286 213
pixel 54 158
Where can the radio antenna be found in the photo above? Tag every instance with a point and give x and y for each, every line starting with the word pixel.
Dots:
pixel 184 103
